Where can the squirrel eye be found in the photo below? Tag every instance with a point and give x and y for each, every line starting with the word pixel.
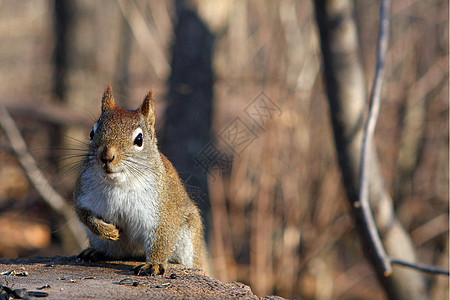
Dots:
pixel 138 141
pixel 91 135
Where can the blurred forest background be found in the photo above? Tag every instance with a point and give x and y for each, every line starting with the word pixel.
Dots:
pixel 276 210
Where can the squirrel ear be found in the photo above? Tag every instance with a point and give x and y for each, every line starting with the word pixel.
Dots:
pixel 147 109
pixel 108 99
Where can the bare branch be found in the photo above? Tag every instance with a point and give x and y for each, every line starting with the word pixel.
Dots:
pixel 369 129
pixel 37 178
pixel 374 108
pixel 421 267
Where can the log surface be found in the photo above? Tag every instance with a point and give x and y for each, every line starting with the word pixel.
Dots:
pixel 67 278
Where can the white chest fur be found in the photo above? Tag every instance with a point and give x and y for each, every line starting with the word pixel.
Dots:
pixel 132 206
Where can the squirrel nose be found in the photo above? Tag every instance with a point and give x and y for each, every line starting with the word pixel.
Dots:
pixel 107 155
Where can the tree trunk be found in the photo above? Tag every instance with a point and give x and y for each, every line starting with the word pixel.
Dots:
pixel 188 114
pixel 347 96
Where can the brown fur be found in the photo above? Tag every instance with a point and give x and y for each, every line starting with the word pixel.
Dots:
pixel 176 208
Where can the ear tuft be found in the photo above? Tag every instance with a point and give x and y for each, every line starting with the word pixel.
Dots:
pixel 108 99
pixel 147 109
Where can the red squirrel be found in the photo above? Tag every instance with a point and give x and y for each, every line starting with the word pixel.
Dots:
pixel 130 197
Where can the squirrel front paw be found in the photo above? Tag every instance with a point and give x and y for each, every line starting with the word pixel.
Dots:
pixel 149 269
pixel 97 225
pixel 107 230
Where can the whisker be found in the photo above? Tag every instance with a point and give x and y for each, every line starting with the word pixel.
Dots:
pixel 76 140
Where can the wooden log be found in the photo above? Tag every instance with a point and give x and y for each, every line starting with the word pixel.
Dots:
pixel 64 277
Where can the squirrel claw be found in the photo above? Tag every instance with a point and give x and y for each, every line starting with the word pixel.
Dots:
pixel 149 269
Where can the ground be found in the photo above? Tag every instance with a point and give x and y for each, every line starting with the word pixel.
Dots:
pixel 66 278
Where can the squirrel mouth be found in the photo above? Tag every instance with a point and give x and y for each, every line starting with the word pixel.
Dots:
pixel 115 175
pixel 108 170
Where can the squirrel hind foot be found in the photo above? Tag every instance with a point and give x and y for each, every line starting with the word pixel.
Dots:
pixel 149 269
pixel 91 255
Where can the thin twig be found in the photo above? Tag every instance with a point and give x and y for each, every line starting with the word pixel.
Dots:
pixel 145 38
pixel 374 108
pixel 37 178
pixel 421 267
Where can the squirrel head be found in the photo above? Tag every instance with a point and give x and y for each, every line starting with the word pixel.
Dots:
pixel 123 141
